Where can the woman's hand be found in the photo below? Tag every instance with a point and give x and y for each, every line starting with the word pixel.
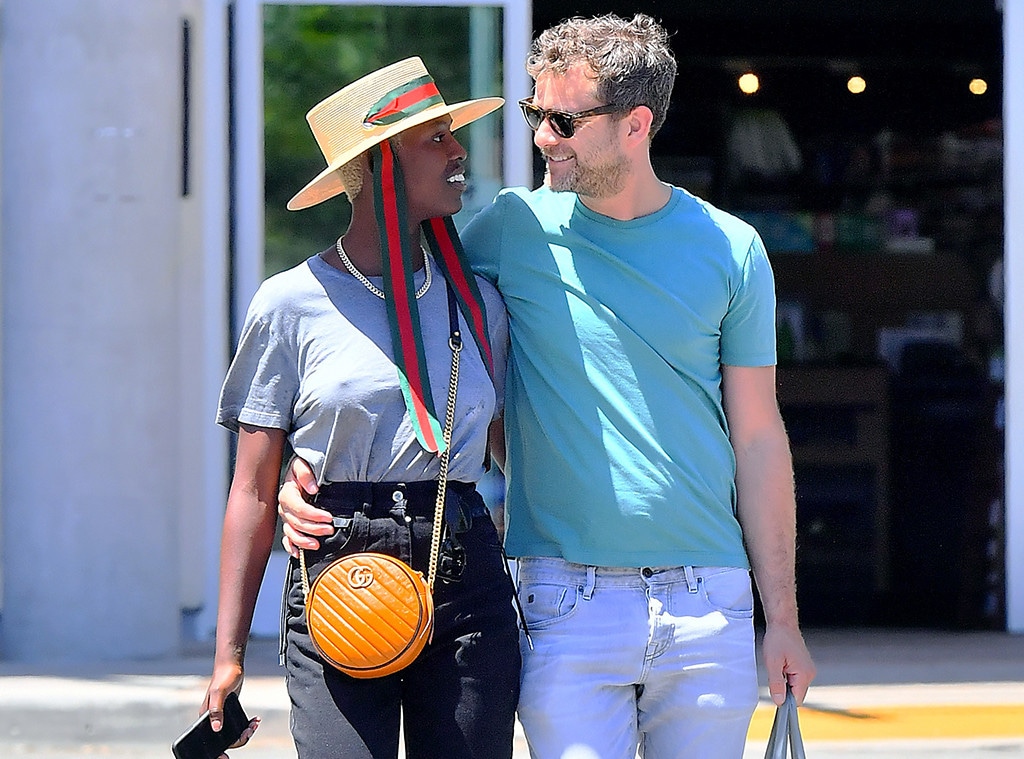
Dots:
pixel 225 680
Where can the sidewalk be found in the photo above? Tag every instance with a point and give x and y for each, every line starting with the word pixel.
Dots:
pixel 879 693
pixel 903 694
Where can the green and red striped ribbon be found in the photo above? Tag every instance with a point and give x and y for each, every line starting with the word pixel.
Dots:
pixel 404 101
pixel 399 290
pixel 443 240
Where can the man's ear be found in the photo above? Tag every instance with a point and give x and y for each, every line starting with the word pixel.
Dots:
pixel 639 122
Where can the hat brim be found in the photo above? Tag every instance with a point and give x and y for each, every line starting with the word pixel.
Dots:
pixel 328 183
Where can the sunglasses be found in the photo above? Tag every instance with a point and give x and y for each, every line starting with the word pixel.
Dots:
pixel 563 124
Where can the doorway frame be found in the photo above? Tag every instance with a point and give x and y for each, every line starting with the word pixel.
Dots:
pixel 235 110
pixel 1013 308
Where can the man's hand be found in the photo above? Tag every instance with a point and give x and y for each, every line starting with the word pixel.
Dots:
pixel 301 520
pixel 787 659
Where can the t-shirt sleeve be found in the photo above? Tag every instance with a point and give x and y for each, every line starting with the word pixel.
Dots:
pixel 748 329
pixel 497 327
pixel 481 240
pixel 262 381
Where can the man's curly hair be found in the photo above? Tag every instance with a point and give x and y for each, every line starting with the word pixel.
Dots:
pixel 630 60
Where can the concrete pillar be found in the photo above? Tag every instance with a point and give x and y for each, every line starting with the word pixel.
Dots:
pixel 91 162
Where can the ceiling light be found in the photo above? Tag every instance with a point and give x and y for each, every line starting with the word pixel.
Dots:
pixel 749 83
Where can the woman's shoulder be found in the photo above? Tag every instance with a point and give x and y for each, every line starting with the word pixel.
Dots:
pixel 289 286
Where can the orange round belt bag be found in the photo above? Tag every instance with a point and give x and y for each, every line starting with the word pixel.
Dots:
pixel 370 614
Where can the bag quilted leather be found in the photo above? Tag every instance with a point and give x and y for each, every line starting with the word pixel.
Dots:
pixel 369 614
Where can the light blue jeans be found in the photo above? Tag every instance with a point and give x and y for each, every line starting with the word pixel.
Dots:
pixel 648 659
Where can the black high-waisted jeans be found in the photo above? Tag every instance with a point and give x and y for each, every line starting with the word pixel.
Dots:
pixel 458 699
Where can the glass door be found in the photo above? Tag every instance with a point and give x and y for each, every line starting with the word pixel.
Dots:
pixel 290 54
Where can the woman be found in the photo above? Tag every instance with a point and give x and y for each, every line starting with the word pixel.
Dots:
pixel 342 357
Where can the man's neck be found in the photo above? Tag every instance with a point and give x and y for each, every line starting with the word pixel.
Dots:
pixel 640 197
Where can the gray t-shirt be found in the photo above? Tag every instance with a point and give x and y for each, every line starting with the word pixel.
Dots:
pixel 315 360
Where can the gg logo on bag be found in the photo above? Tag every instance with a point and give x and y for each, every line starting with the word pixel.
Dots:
pixel 360 577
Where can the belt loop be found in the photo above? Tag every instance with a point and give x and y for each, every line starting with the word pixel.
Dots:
pixel 588 588
pixel 691 579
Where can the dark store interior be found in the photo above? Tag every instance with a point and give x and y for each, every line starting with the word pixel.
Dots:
pixel 882 214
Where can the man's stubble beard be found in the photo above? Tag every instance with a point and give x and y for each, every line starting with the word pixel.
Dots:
pixel 597 180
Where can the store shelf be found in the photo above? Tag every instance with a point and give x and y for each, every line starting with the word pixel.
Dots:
pixel 838 421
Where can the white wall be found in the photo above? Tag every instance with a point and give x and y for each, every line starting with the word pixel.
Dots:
pixel 91 308
pixel 204 343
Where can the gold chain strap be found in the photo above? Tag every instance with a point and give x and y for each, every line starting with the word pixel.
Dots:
pixel 305 576
pixel 455 343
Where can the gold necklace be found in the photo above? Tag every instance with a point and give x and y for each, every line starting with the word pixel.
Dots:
pixel 372 287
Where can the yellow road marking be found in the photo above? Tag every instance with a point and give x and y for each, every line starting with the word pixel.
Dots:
pixel 881 723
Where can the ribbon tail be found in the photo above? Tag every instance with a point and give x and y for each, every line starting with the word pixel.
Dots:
pixel 443 240
pixel 424 424
pixel 403 313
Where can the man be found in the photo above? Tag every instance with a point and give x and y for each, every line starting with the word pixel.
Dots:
pixel 647 467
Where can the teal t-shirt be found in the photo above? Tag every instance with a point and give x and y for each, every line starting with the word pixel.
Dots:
pixel 618 447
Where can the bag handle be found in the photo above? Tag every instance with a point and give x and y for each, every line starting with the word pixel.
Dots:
pixel 455 343
pixel 786 731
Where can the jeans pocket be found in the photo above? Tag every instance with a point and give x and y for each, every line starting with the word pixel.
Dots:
pixel 727 590
pixel 546 604
pixel 346 540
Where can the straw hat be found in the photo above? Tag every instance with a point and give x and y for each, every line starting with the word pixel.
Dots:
pixel 371 110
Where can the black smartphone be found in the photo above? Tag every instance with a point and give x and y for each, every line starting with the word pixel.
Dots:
pixel 201 742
